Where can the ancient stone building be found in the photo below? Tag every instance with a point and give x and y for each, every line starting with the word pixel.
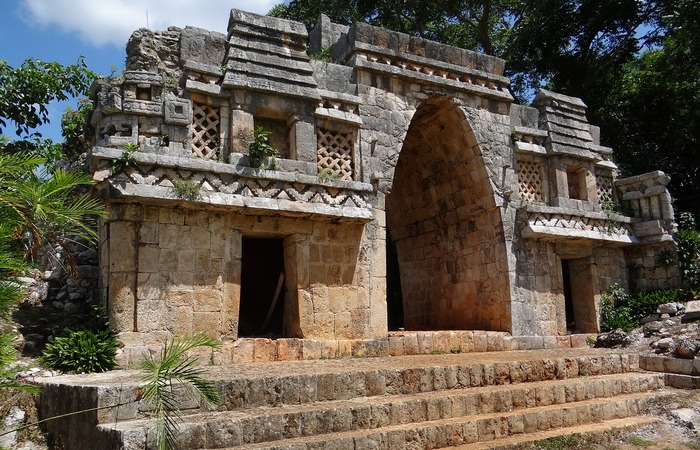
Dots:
pixel 410 191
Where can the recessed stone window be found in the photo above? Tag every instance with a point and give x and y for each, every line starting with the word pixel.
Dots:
pixel 144 93
pixel 576 182
pixel 279 139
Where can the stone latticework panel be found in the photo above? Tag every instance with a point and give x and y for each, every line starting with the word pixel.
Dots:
pixel 206 126
pixel 604 187
pixel 530 181
pixel 335 151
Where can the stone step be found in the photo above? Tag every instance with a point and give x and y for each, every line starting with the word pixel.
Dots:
pixel 277 383
pixel 463 430
pixel 516 442
pixel 290 421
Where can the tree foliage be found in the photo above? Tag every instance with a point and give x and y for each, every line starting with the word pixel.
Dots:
pixel 38 203
pixel 26 91
pixel 172 369
pixel 651 115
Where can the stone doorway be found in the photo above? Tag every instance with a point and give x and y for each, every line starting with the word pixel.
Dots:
pixel 442 217
pixel 579 276
pixel 262 288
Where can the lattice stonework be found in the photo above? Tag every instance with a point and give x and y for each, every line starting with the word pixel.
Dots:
pixel 335 153
pixel 604 187
pixel 530 180
pixel 206 126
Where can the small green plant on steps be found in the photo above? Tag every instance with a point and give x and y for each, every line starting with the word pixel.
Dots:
pixel 187 189
pixel 261 153
pixel 172 369
pixel 126 159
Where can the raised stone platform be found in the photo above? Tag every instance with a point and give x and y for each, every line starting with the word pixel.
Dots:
pixel 398 343
pixel 427 401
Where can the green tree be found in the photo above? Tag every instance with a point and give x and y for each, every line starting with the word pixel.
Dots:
pixel 25 93
pixel 651 113
pixel 37 205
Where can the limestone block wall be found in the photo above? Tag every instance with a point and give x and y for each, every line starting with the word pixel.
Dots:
pixel 176 271
pixel 172 272
pixel 540 303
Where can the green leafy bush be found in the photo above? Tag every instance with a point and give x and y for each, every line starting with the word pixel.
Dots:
pixel 619 309
pixel 689 256
pixel 612 317
pixel 187 189
pixel 82 351
pixel 643 304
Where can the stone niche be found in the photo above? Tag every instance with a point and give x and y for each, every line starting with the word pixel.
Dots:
pixel 410 196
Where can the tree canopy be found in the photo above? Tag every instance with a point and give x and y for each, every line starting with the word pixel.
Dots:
pixel 636 64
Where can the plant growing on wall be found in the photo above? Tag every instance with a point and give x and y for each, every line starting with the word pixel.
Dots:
pixel 187 189
pixel 126 159
pixel 261 153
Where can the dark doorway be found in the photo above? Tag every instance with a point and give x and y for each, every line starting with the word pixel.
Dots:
pixel 578 276
pixel 568 298
pixel 261 269
pixel 394 299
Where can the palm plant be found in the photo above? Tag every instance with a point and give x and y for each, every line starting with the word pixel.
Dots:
pixel 159 391
pixel 44 207
pixel 36 207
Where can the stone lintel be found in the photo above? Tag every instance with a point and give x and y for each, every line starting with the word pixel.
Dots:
pixel 205 88
pixel 606 164
pixel 643 180
pixel 275 87
pixel 528 131
pixel 438 66
pixel 569 235
pixel 579 152
pixel 338 116
pixel 543 209
pixel 339 96
pixel 421 78
pixel 525 147
pixel 196 66
pixel 402 43
pixel 166 196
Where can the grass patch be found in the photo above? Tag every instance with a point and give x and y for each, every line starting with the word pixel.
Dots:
pixel 639 442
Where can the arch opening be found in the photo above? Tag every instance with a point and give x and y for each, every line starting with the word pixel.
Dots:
pixel 448 233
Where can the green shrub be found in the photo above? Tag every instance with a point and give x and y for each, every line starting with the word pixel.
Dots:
pixel 643 304
pixel 618 309
pixel 689 256
pixel 612 318
pixel 187 189
pixel 82 351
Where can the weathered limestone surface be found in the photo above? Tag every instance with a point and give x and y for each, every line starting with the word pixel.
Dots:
pixel 428 401
pixel 503 217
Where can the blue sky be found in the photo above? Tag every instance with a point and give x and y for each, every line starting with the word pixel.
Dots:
pixel 64 30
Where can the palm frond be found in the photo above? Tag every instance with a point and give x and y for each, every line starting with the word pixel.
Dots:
pixel 172 369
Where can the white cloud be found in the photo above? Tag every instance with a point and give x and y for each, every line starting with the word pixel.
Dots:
pixel 111 22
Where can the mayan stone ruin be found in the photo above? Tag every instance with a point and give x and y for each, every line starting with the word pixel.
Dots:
pixel 412 207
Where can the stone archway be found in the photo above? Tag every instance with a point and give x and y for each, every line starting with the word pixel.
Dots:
pixel 443 218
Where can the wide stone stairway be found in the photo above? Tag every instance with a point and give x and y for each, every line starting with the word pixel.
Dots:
pixel 471 401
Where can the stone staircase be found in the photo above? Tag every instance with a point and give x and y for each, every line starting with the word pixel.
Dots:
pixel 471 401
